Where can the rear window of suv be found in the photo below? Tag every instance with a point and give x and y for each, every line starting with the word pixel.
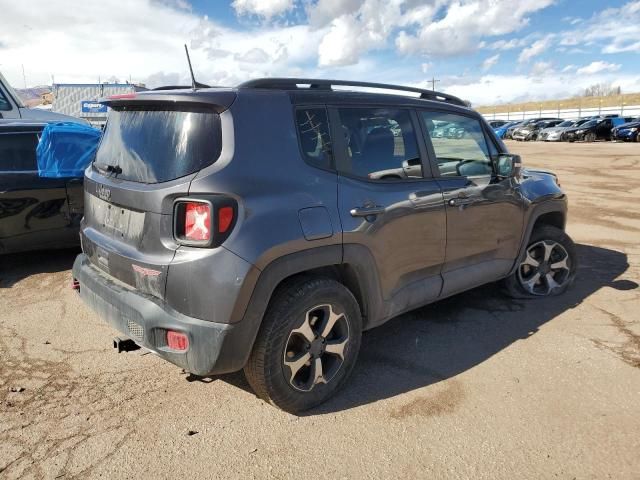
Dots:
pixel 148 145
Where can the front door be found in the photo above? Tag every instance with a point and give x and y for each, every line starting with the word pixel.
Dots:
pixel 389 205
pixel 603 129
pixel 33 210
pixel 484 213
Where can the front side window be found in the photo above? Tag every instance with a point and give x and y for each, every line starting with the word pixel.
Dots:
pixel 4 103
pixel 18 152
pixel 460 145
pixel 313 132
pixel 380 144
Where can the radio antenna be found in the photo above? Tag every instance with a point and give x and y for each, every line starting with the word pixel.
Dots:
pixel 194 84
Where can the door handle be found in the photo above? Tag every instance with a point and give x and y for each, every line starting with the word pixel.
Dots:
pixel 366 211
pixel 456 202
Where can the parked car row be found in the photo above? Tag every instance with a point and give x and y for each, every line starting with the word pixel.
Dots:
pixel 588 129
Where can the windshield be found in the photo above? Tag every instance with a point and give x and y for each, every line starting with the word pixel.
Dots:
pixel 566 123
pixel 590 123
pixel 11 92
pixel 153 146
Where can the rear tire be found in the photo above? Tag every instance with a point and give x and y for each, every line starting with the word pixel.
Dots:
pixel 590 137
pixel 307 345
pixel 549 267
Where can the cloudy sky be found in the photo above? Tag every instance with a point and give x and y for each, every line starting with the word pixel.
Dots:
pixel 486 51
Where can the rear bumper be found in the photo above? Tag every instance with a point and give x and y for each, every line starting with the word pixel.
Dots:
pixel 214 348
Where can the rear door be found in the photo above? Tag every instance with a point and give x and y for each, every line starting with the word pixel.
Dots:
pixel 484 213
pixel 33 210
pixel 389 203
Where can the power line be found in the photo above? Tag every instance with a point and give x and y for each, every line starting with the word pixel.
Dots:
pixel 433 83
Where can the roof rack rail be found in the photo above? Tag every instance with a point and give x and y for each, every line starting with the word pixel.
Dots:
pixel 318 84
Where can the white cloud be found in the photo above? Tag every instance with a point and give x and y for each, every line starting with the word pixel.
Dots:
pixel 59 38
pixel 354 34
pixel 506 44
pixel 536 48
pixel 540 69
pixel 597 67
pixel 612 30
pixel 569 68
pixel 262 8
pixel 495 89
pixel 255 55
pixel 324 12
pixel 461 27
pixel 426 67
pixel 490 62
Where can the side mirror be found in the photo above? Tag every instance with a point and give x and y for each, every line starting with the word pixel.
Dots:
pixel 509 165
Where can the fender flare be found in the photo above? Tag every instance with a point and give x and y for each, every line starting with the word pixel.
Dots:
pixel 555 205
pixel 361 277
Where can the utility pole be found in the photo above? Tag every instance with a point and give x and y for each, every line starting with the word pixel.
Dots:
pixel 433 83
pixel 24 77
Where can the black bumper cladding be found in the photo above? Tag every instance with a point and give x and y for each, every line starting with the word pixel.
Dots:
pixel 214 348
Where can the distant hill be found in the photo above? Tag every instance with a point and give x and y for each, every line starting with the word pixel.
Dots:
pixel 34 96
pixel 566 104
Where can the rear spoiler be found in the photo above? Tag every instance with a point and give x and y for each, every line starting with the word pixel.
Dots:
pixel 218 100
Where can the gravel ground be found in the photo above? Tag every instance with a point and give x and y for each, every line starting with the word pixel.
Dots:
pixel 476 386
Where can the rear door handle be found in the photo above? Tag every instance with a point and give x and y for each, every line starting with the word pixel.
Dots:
pixel 366 211
pixel 456 202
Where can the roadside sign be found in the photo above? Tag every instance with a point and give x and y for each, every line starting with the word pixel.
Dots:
pixel 91 106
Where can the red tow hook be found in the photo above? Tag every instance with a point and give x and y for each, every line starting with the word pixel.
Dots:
pixel 75 285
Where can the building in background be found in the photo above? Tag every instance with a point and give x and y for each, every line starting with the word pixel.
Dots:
pixel 81 99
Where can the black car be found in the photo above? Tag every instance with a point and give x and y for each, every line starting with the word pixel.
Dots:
pixel 35 212
pixel 497 123
pixel 597 129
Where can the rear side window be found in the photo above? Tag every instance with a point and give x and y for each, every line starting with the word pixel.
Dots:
pixel 381 144
pixel 154 146
pixel 313 132
pixel 18 152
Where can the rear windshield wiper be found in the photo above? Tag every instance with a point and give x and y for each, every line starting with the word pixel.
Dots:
pixel 113 169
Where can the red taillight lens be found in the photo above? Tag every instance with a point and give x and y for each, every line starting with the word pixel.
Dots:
pixel 204 222
pixel 177 341
pixel 197 221
pixel 121 96
pixel 225 218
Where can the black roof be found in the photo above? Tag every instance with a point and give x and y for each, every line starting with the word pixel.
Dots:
pixel 301 90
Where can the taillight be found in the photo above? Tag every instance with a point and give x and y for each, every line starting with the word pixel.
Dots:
pixel 122 96
pixel 204 223
pixel 177 341
pixel 225 217
pixel 197 221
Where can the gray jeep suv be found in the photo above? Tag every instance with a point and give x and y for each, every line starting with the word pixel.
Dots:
pixel 266 226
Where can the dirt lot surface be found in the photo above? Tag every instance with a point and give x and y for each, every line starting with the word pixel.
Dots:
pixel 476 386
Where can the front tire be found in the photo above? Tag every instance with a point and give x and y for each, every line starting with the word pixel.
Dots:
pixel 307 344
pixel 548 268
pixel 590 137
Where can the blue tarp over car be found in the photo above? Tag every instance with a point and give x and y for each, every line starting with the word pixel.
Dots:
pixel 66 149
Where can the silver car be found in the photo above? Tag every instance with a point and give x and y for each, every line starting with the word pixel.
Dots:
pixel 554 134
